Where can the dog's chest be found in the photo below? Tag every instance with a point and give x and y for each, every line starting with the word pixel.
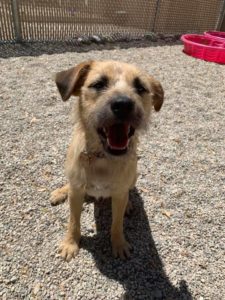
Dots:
pixel 103 176
pixel 99 180
pixel 98 190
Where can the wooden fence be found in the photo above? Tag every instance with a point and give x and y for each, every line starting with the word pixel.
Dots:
pixel 66 20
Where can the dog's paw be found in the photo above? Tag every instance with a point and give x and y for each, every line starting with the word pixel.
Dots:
pixel 58 196
pixel 121 249
pixel 68 250
pixel 129 208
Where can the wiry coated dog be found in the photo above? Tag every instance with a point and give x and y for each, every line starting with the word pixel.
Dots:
pixel 113 106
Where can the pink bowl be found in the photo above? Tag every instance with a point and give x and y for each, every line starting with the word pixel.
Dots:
pixel 203 47
pixel 216 35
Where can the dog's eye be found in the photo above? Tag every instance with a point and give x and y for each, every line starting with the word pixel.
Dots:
pixel 139 87
pixel 100 84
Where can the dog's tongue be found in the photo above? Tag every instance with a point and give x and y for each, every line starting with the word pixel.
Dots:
pixel 118 136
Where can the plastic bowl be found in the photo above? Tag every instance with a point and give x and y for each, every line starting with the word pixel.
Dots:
pixel 216 35
pixel 203 47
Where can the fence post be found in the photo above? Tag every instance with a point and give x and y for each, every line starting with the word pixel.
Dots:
pixel 155 16
pixel 16 20
pixel 221 17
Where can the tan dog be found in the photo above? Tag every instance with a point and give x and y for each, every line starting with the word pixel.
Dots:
pixel 114 105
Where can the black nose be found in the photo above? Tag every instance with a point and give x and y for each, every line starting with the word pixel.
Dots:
pixel 122 107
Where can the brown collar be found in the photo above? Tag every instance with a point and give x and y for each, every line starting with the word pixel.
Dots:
pixel 91 156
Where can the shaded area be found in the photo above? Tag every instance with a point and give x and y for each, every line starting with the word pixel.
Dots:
pixel 143 275
pixel 39 48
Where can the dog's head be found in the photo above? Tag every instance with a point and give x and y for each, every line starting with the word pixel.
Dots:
pixel 115 100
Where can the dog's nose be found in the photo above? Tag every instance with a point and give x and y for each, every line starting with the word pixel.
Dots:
pixel 122 107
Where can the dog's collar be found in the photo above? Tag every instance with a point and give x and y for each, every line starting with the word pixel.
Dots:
pixel 91 156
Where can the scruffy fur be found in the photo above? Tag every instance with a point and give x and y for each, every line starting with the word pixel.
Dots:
pixel 89 167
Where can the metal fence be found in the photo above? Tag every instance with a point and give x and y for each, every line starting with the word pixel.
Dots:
pixel 66 20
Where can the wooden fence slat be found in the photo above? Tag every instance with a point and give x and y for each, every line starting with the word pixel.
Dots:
pixel 16 20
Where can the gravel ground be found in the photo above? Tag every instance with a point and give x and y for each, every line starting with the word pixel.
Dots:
pixel 177 227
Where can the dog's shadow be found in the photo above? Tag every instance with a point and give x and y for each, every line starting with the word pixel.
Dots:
pixel 142 276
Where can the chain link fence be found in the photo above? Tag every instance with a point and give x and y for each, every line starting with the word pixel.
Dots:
pixel 69 20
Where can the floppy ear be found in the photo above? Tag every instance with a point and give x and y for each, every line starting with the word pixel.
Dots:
pixel 69 82
pixel 157 94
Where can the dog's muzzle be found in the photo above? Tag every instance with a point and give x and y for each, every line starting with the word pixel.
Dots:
pixel 116 137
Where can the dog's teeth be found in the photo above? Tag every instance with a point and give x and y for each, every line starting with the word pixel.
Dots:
pixel 105 131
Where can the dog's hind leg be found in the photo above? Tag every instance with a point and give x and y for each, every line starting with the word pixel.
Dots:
pixel 59 195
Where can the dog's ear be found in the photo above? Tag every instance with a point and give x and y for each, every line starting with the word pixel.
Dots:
pixel 157 94
pixel 69 82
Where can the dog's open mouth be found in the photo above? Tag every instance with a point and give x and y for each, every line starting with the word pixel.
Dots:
pixel 116 137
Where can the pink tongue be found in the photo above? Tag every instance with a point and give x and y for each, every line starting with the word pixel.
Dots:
pixel 118 136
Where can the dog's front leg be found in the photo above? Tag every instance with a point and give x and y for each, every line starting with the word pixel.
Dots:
pixel 120 246
pixel 70 245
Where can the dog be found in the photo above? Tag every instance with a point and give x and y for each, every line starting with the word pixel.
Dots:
pixel 113 107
